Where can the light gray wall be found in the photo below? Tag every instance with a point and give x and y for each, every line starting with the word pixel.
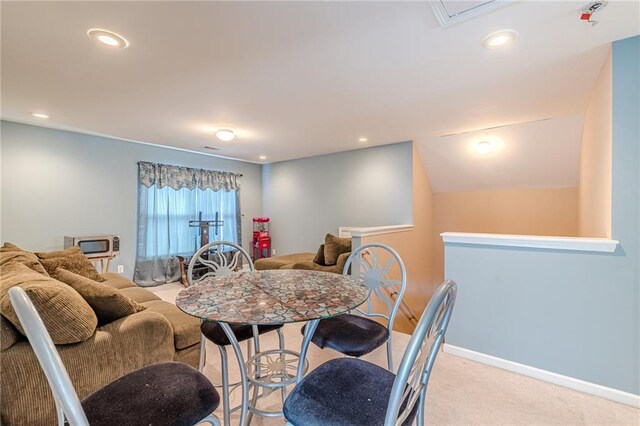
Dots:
pixel 572 313
pixel 310 197
pixel 57 183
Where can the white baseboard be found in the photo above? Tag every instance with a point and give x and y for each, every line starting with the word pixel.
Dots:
pixel 547 376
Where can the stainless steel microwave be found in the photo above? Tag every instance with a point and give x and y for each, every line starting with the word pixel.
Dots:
pixel 95 246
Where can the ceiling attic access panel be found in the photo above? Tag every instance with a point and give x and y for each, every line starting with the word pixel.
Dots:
pixel 451 12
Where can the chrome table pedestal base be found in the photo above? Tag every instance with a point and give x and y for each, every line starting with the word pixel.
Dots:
pixel 271 371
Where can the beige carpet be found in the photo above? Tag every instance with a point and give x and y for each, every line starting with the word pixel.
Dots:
pixel 461 392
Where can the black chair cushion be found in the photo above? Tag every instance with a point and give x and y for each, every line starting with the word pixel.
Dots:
pixel 352 335
pixel 215 333
pixel 171 394
pixel 342 392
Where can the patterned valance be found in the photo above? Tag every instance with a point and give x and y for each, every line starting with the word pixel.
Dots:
pixel 177 177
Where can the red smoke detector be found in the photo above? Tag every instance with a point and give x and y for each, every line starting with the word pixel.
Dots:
pixel 587 12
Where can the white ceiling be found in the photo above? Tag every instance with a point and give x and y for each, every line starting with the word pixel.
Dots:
pixel 298 79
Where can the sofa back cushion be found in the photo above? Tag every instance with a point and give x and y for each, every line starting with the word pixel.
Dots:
pixel 66 315
pixel 8 334
pixel 10 253
pixel 71 259
pixel 108 303
pixel 334 247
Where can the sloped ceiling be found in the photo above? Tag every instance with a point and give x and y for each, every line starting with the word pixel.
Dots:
pixel 299 79
pixel 540 154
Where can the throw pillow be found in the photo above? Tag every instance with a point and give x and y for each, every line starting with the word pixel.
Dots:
pixel 10 253
pixel 319 259
pixel 59 253
pixel 65 314
pixel 72 260
pixel 108 303
pixel 334 247
pixel 10 246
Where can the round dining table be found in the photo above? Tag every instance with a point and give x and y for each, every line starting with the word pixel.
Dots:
pixel 271 297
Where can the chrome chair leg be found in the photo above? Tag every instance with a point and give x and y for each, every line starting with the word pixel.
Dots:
pixel 256 346
pixel 212 420
pixel 310 328
pixel 283 390
pixel 203 353
pixel 60 412
pixel 420 417
pixel 224 367
pixel 390 353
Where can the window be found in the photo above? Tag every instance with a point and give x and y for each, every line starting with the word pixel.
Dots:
pixel 169 212
pixel 169 197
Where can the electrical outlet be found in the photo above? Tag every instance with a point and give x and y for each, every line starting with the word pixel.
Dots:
pixel 273 252
pixel 120 269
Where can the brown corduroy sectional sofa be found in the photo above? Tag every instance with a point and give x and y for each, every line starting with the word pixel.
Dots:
pixel 330 257
pixel 155 331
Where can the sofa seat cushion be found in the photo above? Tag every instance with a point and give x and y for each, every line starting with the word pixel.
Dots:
pixel 117 281
pixel 343 392
pixel 10 253
pixel 108 303
pixel 186 329
pixel 71 259
pixel 66 315
pixel 277 262
pixel 162 394
pixel 138 294
pixel 313 266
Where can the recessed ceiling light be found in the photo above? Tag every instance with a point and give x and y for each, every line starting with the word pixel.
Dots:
pixel 40 115
pixel 225 135
pixel 499 39
pixel 484 147
pixel 108 38
pixel 263 157
pixel 363 140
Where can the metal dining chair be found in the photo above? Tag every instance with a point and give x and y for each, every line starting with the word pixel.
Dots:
pixel 349 391
pixel 167 394
pixel 358 334
pixel 212 260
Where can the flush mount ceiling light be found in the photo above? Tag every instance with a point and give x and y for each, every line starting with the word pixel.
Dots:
pixel 484 147
pixel 40 115
pixel 225 135
pixel 263 157
pixel 107 38
pixel 499 39
pixel 363 140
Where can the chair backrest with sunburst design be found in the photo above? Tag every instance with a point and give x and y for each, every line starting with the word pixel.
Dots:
pixel 410 385
pixel 217 259
pixel 375 263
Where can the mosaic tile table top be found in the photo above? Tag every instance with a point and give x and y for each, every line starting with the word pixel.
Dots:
pixel 272 297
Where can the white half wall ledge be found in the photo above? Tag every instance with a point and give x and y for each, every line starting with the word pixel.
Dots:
pixel 546 376
pixel 360 232
pixel 602 245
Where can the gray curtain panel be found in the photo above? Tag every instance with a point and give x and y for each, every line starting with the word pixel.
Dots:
pixel 168 198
